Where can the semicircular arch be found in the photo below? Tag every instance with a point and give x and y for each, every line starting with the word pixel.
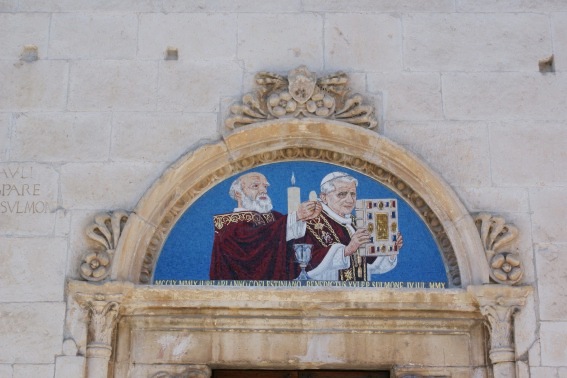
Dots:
pixel 334 142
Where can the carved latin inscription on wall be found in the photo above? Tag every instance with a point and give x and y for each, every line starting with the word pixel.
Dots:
pixel 21 193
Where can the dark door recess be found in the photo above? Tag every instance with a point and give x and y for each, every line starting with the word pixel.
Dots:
pixel 299 374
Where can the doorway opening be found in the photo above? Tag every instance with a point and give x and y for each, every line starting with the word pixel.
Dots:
pixel 224 373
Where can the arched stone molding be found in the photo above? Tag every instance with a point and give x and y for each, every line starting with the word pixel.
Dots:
pixel 311 139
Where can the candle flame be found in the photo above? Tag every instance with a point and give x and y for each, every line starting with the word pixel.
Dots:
pixel 292 179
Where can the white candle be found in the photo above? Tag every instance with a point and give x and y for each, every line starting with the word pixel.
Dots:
pixel 293 196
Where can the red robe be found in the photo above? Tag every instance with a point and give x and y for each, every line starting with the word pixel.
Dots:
pixel 252 246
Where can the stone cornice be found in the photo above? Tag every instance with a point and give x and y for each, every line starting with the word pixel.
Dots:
pixel 136 298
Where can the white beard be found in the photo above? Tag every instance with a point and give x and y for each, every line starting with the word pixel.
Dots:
pixel 259 205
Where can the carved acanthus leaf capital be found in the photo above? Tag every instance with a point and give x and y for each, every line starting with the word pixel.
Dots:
pixel 103 310
pixel 497 238
pixel 301 94
pixel 105 231
pixel 498 304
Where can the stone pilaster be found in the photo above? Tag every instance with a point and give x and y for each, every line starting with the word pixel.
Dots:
pixel 498 304
pixel 103 313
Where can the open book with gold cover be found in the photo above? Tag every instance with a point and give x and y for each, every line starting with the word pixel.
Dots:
pixel 380 218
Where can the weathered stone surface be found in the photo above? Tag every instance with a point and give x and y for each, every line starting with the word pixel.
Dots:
pixel 267 6
pixel 27 371
pixel 522 153
pixel 408 96
pixel 106 186
pixel 87 5
pixel 534 354
pixel 93 36
pixel 19 29
pixel 543 372
pixel 33 331
pixel 231 6
pixel 552 283
pixel 31 86
pixel 28 198
pixel 522 369
pixel 112 85
pixel 6 371
pixel 158 31
pixel 278 42
pixel 62 222
pixel 32 269
pixel 69 366
pixel 435 143
pixel 547 211
pixel 494 199
pixel 182 86
pixel 553 343
pixel 504 96
pixel 510 6
pixel 378 6
pixel 61 137
pixel 5 134
pixel 525 328
pixel 559 30
pixel 164 137
pixel 470 42
pixel 347 46
pixel 8 5
pixel 308 350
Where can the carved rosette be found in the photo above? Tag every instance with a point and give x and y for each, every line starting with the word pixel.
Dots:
pixel 300 95
pixel 497 237
pixel 106 231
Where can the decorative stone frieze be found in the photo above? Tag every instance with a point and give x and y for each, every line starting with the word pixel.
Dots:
pixel 497 237
pixel 106 231
pixel 301 94
pixel 195 371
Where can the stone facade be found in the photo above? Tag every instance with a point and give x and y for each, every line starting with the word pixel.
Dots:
pixel 92 114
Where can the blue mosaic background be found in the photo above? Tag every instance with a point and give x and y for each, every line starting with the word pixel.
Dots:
pixel 187 251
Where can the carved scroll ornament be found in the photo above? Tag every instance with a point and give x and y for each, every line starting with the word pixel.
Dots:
pixel 301 94
pixel 106 231
pixel 497 237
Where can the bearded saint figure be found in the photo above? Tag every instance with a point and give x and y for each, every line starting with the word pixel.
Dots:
pixel 251 243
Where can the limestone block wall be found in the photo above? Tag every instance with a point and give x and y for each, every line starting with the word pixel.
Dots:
pixel 91 113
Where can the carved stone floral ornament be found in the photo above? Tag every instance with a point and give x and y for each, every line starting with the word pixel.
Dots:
pixel 497 237
pixel 106 231
pixel 301 94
